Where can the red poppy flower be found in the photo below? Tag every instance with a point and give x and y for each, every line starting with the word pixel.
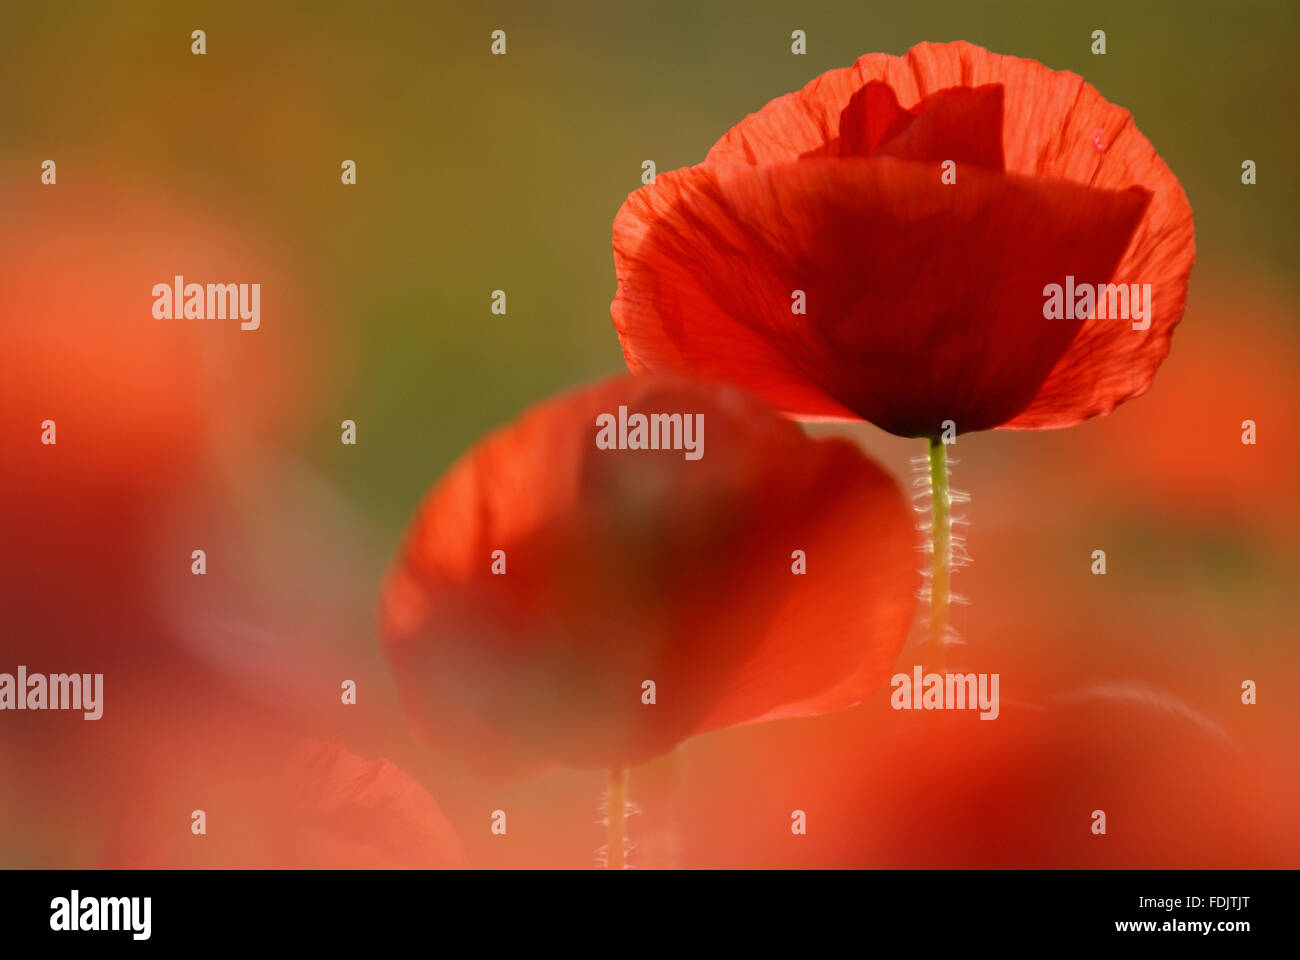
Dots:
pixel 623 566
pixel 349 811
pixel 896 790
pixel 107 412
pixel 278 802
pixel 1210 476
pixel 924 300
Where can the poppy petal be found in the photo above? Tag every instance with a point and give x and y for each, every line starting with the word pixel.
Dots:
pixel 347 810
pixel 960 124
pixel 924 302
pixel 622 566
pixel 839 601
pixel 1054 125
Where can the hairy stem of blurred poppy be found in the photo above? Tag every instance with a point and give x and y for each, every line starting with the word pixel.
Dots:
pixel 617 817
pixel 941 544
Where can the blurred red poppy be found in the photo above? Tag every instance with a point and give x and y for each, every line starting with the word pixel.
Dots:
pixel 828 257
pixel 891 790
pixel 273 801
pixel 621 566
pixel 1207 456
pixel 139 408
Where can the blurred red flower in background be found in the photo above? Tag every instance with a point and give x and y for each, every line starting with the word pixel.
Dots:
pixel 630 565
pixel 143 408
pixel 156 422
pixel 1181 448
pixel 924 300
pixel 271 800
pixel 1182 785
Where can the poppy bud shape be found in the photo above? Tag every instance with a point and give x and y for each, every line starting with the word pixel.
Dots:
pixel 630 565
pixel 924 298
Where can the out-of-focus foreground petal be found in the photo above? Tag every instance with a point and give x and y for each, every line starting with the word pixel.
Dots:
pixel 626 566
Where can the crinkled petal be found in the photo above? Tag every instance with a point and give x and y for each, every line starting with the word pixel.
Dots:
pixel 1055 125
pixel 924 301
